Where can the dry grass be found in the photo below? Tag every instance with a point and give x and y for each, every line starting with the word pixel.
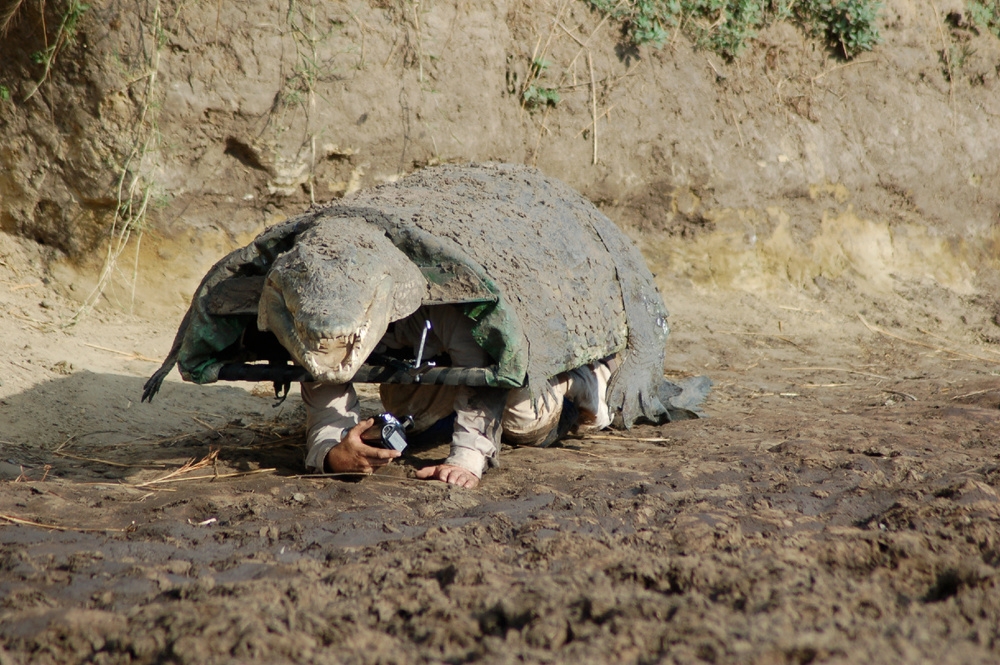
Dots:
pixel 181 474
pixel 9 13
pixel 25 522
pixel 134 186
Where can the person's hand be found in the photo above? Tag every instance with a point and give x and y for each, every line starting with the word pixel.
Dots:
pixel 352 455
pixel 449 473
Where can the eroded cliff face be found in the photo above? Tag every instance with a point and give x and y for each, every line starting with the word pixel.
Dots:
pixel 823 232
pixel 199 125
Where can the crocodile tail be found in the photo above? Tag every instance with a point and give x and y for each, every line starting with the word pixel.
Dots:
pixel 152 385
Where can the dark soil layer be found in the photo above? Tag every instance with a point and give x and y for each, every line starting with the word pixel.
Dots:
pixel 788 528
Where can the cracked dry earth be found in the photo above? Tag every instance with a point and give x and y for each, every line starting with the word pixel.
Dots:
pixel 840 505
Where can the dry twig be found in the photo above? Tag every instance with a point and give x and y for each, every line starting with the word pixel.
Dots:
pixel 604 437
pixel 18 520
pixel 582 452
pixel 204 424
pixel 187 467
pixel 110 463
pixel 24 317
pixel 566 70
pixel 170 440
pixel 975 392
pixel 214 476
pixel 572 36
pixel 799 309
pixel 835 369
pixel 946 55
pixel 593 103
pixel 23 478
pixel 361 26
pixel 8 14
pixel 604 114
pixel 736 122
pixel 134 355
pixel 64 443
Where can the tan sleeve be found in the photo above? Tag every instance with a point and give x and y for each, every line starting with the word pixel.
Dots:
pixel 331 409
pixel 475 443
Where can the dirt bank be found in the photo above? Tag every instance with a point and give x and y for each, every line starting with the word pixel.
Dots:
pixel 823 232
pixel 197 126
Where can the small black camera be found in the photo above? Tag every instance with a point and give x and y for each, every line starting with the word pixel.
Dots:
pixel 387 432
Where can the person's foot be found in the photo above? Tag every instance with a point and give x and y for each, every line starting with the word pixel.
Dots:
pixel 588 389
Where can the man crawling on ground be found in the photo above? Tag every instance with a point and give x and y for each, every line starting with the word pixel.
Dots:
pixel 480 417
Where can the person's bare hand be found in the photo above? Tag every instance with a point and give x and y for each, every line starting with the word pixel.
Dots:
pixel 352 455
pixel 449 473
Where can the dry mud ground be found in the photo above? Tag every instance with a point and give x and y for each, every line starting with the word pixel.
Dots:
pixel 839 505
pixel 845 512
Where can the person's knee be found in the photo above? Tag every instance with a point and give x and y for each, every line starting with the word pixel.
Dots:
pixel 527 421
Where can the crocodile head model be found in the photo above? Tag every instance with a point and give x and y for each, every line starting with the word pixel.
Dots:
pixel 330 299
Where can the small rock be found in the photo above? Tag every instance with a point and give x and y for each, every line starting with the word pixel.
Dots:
pixel 63 367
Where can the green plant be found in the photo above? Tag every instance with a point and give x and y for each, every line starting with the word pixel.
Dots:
pixel 736 22
pixel 849 25
pixel 535 96
pixel 725 26
pixel 985 14
pixel 134 184
pixel 538 67
pixel 65 34
pixel 312 68
pixel 956 59
pixel 643 21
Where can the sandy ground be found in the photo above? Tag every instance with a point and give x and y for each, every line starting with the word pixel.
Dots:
pixel 825 238
pixel 840 504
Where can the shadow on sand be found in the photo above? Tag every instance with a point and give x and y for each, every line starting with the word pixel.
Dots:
pixel 90 426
